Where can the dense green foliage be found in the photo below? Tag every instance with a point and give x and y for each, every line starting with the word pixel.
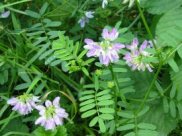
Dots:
pixel 42 53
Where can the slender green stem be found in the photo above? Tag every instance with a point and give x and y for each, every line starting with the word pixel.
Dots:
pixel 136 19
pixel 150 87
pixel 67 80
pixel 84 4
pixel 117 85
pixel 15 3
pixel 159 56
pixel 145 24
pixel 116 92
pixel 17 133
pixel 17 11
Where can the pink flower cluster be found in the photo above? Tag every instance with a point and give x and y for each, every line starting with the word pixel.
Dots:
pixel 51 115
pixel 108 50
pixel 136 54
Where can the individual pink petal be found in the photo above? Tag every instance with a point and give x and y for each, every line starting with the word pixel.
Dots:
pixel 48 103
pixel 50 124
pixel 12 101
pixel 105 33
pixel 143 46
pixel 118 46
pixel 56 101
pixel 88 41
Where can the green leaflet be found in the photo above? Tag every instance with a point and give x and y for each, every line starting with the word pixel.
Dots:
pixel 160 6
pixel 59 131
pixel 96 105
pixel 169 28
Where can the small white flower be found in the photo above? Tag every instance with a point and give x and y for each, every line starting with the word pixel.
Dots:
pixel 5 14
pixel 85 19
pixel 104 3
pixel 131 2
pixel 89 14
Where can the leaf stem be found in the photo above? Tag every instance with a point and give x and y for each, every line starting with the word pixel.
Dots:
pixel 150 87
pixel 116 91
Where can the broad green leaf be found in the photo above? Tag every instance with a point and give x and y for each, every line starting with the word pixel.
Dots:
pixel 179 106
pixel 35 33
pixel 43 8
pixel 145 109
pixel 50 59
pixel 2 79
pixel 88 113
pixel 160 6
pixel 165 105
pixel 55 63
pixel 33 14
pixel 172 107
pixel 105 102
pixel 126 127
pixel 40 40
pixel 146 126
pixel 53 24
pixel 86 97
pixel 39 88
pixel 179 95
pixel 87 102
pixel 102 125
pixel 61 131
pixel 169 28
pixel 15 125
pixel 45 54
pixel 180 51
pixel 173 65
pixel 94 121
pixel 82 54
pixel 85 71
pixel 157 117
pixel 106 116
pixel 104 97
pixel 159 88
pixel 120 80
pixel 87 92
pixel 118 70
pixel 106 110
pixel 130 134
pixel 40 131
pixel 147 133
pixel 24 76
pixel 173 92
pixel 103 92
pixel 126 114
pixel 87 107
pixel 96 82
pixel 118 24
pixel 22 86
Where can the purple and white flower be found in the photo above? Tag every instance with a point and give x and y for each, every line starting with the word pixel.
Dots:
pixel 107 50
pixel 24 104
pixel 5 14
pixel 85 19
pixel 51 115
pixel 135 56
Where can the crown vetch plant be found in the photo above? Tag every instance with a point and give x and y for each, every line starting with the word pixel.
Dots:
pixel 116 65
